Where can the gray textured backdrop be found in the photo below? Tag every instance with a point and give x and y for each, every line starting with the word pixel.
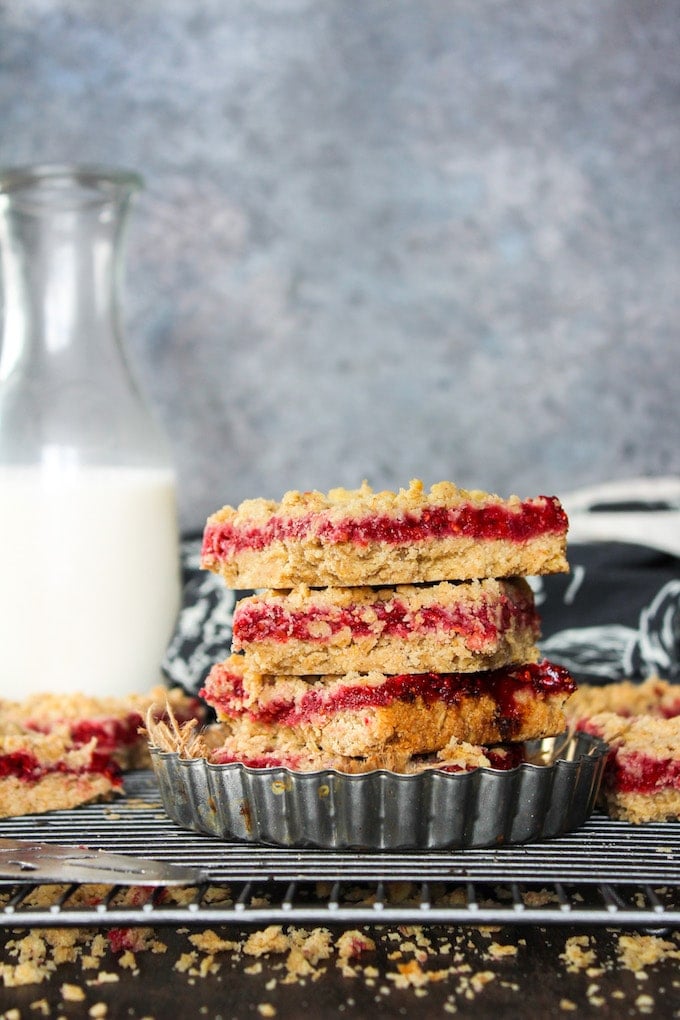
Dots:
pixel 381 239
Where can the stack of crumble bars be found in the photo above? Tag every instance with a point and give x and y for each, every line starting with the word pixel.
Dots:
pixel 395 630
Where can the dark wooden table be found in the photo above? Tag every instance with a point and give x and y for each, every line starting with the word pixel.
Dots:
pixel 422 971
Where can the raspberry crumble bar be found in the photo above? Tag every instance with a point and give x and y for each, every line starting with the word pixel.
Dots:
pixel 113 723
pixel 642 774
pixel 255 746
pixel 362 537
pixel 373 713
pixel 641 723
pixel 652 696
pixel 443 627
pixel 43 772
pixel 388 631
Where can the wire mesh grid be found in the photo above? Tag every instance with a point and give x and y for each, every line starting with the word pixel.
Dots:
pixel 607 873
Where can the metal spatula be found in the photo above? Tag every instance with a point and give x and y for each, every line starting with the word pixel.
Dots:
pixel 31 861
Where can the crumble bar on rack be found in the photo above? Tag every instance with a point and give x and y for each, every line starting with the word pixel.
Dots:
pixel 113 723
pixel 653 696
pixel 641 723
pixel 43 772
pixel 641 780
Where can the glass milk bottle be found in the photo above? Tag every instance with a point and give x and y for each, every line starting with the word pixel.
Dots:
pixel 89 552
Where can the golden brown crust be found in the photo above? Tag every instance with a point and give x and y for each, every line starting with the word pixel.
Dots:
pixel 639 808
pixel 341 502
pixel 57 708
pixel 269 747
pixel 420 727
pixel 57 791
pixel 284 565
pixel 464 627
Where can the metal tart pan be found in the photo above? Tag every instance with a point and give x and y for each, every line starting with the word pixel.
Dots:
pixel 383 810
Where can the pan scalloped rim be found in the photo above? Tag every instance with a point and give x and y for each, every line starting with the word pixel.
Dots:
pixel 383 810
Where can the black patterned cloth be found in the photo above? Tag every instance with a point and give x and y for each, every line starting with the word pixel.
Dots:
pixel 202 636
pixel 615 615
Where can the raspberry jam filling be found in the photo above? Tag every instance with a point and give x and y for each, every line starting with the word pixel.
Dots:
pixel 110 734
pixel 479 624
pixel 25 766
pixel 642 773
pixel 503 759
pixel 540 516
pixel 261 761
pixel 225 691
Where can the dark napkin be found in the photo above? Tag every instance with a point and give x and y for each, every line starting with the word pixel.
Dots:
pixel 616 614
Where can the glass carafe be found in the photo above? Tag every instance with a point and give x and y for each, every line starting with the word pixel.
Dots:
pixel 89 552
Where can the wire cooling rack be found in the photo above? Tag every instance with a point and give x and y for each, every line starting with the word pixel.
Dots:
pixel 607 873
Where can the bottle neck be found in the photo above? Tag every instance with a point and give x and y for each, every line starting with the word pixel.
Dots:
pixel 61 278
pixel 66 392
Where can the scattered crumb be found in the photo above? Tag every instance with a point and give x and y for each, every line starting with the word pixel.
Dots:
pixel 72 993
pixel 103 977
pixel 185 962
pixel 419 957
pixel 209 942
pixel 352 944
pixel 577 956
pixel 270 940
pixel 497 950
pixel 639 951
pixel 539 897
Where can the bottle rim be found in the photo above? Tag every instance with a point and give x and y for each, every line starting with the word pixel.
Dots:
pixel 96 181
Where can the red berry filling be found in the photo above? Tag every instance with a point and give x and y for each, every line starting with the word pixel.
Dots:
pixel 540 516
pixel 480 624
pixel 27 767
pixel 225 691
pixel 110 734
pixel 262 761
pixel 642 773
